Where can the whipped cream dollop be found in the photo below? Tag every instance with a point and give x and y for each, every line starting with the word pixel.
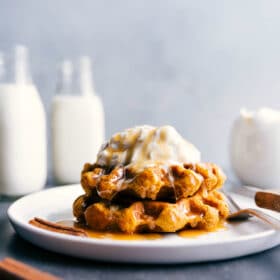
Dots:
pixel 144 146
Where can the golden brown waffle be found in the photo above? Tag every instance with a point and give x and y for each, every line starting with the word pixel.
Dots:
pixel 154 183
pixel 203 210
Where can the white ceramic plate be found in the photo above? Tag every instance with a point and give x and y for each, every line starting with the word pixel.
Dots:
pixel 55 204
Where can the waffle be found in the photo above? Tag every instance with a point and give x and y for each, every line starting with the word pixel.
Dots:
pixel 139 183
pixel 157 183
pixel 203 210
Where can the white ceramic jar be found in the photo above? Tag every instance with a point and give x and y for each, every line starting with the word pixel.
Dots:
pixel 255 148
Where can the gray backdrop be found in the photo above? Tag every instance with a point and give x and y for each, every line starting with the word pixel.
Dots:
pixel 191 64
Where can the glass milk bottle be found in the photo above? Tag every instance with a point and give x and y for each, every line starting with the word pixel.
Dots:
pixel 23 159
pixel 77 123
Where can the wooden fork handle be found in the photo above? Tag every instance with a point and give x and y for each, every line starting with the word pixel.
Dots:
pixel 268 200
pixel 273 222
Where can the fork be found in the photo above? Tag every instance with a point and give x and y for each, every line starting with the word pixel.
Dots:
pixel 239 214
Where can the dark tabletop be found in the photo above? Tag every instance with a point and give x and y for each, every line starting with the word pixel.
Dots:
pixel 261 266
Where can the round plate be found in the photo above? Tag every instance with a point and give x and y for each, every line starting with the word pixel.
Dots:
pixel 55 204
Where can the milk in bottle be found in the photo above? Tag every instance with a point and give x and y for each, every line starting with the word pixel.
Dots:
pixel 23 159
pixel 77 123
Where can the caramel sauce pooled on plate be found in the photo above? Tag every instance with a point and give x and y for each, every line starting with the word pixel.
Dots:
pixel 188 233
pixel 194 233
pixel 110 235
